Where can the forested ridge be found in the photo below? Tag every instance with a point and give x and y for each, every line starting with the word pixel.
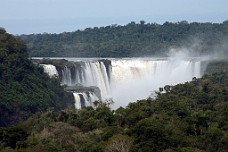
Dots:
pixel 131 40
pixel 24 88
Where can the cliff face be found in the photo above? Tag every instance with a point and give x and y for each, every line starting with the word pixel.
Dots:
pixel 80 88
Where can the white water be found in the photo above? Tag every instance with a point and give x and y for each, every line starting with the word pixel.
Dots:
pixel 131 79
pixel 86 98
pixel 50 69
pixel 136 79
pixel 93 74
pixel 77 101
pixel 96 75
pixel 66 76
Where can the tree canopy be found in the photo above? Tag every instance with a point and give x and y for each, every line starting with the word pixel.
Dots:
pixel 25 88
pixel 131 40
pixel 190 117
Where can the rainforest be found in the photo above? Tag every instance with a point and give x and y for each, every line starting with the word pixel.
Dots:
pixel 180 69
pixel 132 40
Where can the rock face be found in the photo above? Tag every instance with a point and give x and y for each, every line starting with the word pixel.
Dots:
pixel 84 96
pixel 82 89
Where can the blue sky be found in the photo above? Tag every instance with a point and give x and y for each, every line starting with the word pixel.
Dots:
pixel 56 16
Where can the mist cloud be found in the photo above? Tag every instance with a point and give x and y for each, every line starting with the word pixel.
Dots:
pixel 197 48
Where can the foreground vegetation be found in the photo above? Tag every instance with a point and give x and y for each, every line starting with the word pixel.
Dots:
pixel 188 117
pixel 24 88
pixel 132 40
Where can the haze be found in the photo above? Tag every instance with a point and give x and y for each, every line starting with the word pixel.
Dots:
pixel 56 16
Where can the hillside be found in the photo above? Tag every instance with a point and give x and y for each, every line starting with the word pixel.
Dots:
pixel 189 117
pixel 24 88
pixel 132 40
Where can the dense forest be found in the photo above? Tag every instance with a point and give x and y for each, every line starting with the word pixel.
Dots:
pixel 131 40
pixel 35 113
pixel 189 117
pixel 24 88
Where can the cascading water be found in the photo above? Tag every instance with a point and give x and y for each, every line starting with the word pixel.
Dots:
pixel 84 99
pixel 127 80
pixel 92 74
pixel 66 76
pixel 50 69
pixel 136 79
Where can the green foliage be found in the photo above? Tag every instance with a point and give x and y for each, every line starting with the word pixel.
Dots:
pixel 11 137
pixel 131 40
pixel 25 88
pixel 188 117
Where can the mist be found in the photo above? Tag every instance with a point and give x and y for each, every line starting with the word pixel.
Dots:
pixel 194 47
pixel 144 76
pixel 147 75
pixel 135 79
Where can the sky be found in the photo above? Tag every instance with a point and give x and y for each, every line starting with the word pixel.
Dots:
pixel 57 16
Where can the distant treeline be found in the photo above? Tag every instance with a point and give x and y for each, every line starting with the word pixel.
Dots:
pixel 132 40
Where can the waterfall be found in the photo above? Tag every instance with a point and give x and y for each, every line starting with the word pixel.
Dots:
pixel 77 100
pixel 135 79
pixel 84 99
pixel 66 76
pixel 50 69
pixel 125 80
pixel 92 74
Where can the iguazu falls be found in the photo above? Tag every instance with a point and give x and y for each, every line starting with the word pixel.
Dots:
pixel 122 80
pixel 113 76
